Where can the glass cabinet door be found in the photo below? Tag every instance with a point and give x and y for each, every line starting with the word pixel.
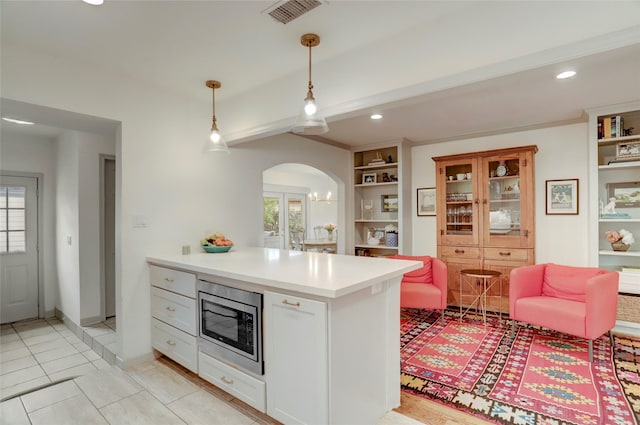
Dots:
pixel 460 213
pixel 503 207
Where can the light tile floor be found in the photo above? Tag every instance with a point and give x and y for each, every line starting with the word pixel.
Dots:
pixel 88 390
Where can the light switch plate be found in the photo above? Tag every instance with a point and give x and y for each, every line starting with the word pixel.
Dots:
pixel 140 221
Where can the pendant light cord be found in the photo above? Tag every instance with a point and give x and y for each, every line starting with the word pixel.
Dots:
pixel 310 94
pixel 213 101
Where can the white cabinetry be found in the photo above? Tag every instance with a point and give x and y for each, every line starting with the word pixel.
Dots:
pixel 239 384
pixel 174 315
pixel 615 172
pixel 296 359
pixel 381 180
pixel 332 361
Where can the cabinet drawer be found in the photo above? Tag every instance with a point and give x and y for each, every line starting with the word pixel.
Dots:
pixel 506 254
pixel 460 251
pixel 173 280
pixel 175 344
pixel 176 310
pixel 245 387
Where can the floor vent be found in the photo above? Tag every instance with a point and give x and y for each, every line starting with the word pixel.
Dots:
pixel 287 11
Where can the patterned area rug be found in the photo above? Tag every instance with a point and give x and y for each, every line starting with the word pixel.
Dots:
pixel 541 377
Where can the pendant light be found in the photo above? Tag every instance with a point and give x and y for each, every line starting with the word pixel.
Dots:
pixel 310 122
pixel 216 142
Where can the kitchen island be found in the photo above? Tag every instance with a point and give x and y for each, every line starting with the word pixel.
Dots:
pixel 331 330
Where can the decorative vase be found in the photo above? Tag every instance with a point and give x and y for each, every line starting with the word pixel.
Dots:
pixel 619 246
pixel 391 239
pixel 330 235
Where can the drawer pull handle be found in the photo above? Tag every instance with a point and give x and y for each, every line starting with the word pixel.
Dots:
pixel 505 254
pixel 459 251
pixel 168 279
pixel 171 309
pixel 227 381
pixel 171 342
pixel 286 302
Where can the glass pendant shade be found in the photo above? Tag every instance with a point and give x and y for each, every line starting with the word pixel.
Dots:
pixel 216 142
pixel 310 122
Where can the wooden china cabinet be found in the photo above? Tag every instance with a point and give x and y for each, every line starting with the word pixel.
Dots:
pixel 485 216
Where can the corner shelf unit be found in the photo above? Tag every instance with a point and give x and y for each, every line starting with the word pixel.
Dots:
pixel 615 172
pixel 388 179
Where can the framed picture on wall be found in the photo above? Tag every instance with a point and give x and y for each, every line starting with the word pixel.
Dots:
pixel 562 197
pixel 426 201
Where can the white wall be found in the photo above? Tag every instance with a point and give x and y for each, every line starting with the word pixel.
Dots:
pixel 67 202
pixel 36 154
pixel 562 154
pixel 163 176
pixel 90 147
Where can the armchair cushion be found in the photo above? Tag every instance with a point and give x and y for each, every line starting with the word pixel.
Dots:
pixel 425 287
pixel 567 282
pixel 423 274
pixel 568 316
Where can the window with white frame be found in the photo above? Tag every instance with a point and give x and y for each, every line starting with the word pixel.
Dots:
pixel 12 219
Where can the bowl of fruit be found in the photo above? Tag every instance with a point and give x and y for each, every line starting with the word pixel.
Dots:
pixel 216 242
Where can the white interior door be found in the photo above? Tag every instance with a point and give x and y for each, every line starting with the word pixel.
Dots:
pixel 18 248
pixel 109 237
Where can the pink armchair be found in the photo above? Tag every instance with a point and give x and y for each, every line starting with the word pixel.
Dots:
pixel 580 301
pixel 425 287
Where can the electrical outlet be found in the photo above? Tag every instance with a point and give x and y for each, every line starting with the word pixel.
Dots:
pixel 186 249
pixel 69 240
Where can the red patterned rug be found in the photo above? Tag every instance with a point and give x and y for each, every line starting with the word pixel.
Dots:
pixel 541 377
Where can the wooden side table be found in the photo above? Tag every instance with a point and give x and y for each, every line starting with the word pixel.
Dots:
pixel 480 280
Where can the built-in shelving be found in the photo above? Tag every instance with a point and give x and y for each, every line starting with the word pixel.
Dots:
pixel 619 253
pixel 376 184
pixel 377 167
pixel 383 201
pixel 608 172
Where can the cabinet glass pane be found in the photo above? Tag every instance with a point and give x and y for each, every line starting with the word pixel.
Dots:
pixel 459 199
pixel 504 197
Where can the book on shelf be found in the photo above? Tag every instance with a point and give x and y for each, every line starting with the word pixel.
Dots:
pixel 606 128
pixel 611 127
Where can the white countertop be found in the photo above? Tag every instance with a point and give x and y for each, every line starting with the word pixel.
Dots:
pixel 325 275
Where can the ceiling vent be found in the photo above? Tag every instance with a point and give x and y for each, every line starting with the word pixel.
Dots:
pixel 287 11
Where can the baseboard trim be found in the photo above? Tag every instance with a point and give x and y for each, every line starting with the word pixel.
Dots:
pixel 134 361
pixel 628 328
pixel 88 321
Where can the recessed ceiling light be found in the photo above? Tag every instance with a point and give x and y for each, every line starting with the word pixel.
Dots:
pixel 376 116
pixel 94 2
pixel 566 74
pixel 15 121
